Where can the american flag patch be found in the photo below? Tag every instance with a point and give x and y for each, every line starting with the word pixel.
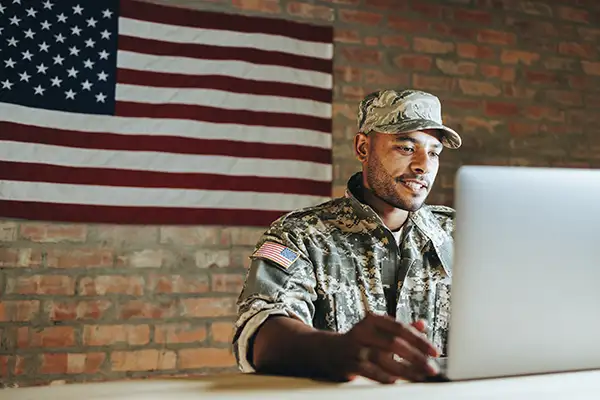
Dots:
pixel 277 253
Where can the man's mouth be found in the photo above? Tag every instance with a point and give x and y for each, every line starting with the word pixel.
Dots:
pixel 414 185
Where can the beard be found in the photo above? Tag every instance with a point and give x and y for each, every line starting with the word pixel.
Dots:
pixel 385 187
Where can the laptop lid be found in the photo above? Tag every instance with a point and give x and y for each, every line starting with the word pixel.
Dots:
pixel 526 283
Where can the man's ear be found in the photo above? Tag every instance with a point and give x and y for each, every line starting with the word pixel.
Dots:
pixel 361 146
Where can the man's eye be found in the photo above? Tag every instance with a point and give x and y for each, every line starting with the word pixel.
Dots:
pixel 405 149
pixel 433 154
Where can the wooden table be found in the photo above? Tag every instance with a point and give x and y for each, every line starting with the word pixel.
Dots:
pixel 571 386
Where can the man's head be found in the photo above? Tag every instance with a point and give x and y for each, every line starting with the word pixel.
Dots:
pixel 399 141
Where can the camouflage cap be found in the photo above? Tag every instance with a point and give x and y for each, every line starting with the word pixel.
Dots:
pixel 391 111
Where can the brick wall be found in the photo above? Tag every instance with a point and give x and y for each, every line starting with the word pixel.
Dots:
pixel 519 80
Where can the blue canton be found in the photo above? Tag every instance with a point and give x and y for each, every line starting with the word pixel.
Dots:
pixel 287 253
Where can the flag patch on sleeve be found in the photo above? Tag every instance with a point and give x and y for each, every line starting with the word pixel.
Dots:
pixel 277 253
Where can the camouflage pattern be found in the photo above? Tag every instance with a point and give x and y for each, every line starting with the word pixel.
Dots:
pixel 345 252
pixel 390 111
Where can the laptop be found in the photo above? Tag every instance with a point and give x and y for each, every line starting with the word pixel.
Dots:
pixel 526 277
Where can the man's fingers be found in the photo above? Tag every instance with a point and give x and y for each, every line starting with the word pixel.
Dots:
pixel 376 373
pixel 399 369
pixel 388 326
pixel 420 325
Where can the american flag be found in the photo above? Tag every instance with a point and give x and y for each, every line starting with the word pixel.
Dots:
pixel 130 112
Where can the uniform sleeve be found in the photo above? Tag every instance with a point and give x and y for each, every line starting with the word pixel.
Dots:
pixel 280 281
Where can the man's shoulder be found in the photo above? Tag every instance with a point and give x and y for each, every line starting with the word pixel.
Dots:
pixel 298 220
pixel 443 215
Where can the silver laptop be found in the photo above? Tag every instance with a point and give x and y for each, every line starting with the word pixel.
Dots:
pixel 526 281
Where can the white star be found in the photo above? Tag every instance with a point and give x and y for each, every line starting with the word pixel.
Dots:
pixel 74 51
pixel 31 12
pixel 14 20
pixel 2 8
pixel 87 85
pixel 46 25
pixel 77 9
pixel 89 43
pixel 16 1
pixel 60 38
pixel 12 42
pixel 8 84
pixel 10 63
pixel 107 13
pixel 58 59
pixel 27 55
pixel 44 47
pixel 39 90
pixel 42 69
pixel 48 5
pixel 25 77
pixel 105 34
pixel 91 22
pixel 72 72
pixel 70 94
pixel 100 97
pixel 103 55
pixel 1 29
pixel 56 81
pixel 88 64
pixel 102 76
pixel 62 17
pixel 75 30
pixel 29 33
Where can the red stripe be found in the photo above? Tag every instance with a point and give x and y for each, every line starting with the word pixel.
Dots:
pixel 32 172
pixel 135 215
pixel 164 144
pixel 219 115
pixel 236 85
pixel 207 52
pixel 222 21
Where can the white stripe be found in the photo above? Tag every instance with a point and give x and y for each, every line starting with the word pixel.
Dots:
pixel 233 68
pixel 162 162
pixel 162 127
pixel 221 99
pixel 183 34
pixel 152 197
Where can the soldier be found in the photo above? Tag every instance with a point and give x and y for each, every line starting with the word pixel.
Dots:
pixel 359 285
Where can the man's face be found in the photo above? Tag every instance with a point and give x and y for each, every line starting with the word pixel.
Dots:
pixel 400 169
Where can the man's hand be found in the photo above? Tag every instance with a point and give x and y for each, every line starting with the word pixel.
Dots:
pixel 369 350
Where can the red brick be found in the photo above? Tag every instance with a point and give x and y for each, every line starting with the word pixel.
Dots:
pixel 581 50
pixel 195 236
pixel 264 6
pixel 536 8
pixel 346 2
pixel 433 83
pixel 8 231
pixel 53 233
pixel 414 61
pixel 212 258
pixel 239 255
pixel 541 77
pixel 394 5
pixel 196 283
pixel 143 360
pixel 506 74
pixel 14 257
pixel 592 100
pixel 361 55
pixel 591 68
pixel 41 284
pixel 544 113
pixel 359 17
pixel 55 363
pixel 518 92
pixel 179 333
pixel 495 109
pixel 573 14
pixel 163 308
pixel 395 41
pixel 4 366
pixel 79 258
pixel 476 124
pixel 468 50
pixel 565 97
pixel 205 357
pixel 209 307
pixel 478 88
pixel 531 28
pixel 371 40
pixel 457 32
pixel 310 11
pixel 407 25
pixel 227 283
pixel 148 258
pixel 475 16
pixel 52 336
pixel 119 236
pixel 379 77
pixel 23 363
pixel 339 110
pixel 496 37
pixel 581 82
pixel 352 93
pixel 519 56
pixel 102 335
pixel 560 64
pixel 429 10
pixel 18 310
pixel 88 363
pixel 590 34
pixel 111 284
pixel 346 36
pixel 221 332
pixel 432 46
pixel 461 104
pixel 79 309
pixel 522 129
pixel 459 68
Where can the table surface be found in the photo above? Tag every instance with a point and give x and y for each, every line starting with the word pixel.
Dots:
pixel 573 385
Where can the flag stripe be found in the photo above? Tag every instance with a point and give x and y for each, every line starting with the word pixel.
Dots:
pixel 110 141
pixel 151 197
pixel 219 52
pixel 221 99
pixel 219 115
pixel 35 172
pixel 219 82
pixel 232 68
pixel 165 127
pixel 224 22
pixel 45 211
pixel 165 162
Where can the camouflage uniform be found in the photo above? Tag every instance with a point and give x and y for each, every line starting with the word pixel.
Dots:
pixel 340 257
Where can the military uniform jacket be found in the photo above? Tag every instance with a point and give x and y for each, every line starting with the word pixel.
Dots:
pixel 327 265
